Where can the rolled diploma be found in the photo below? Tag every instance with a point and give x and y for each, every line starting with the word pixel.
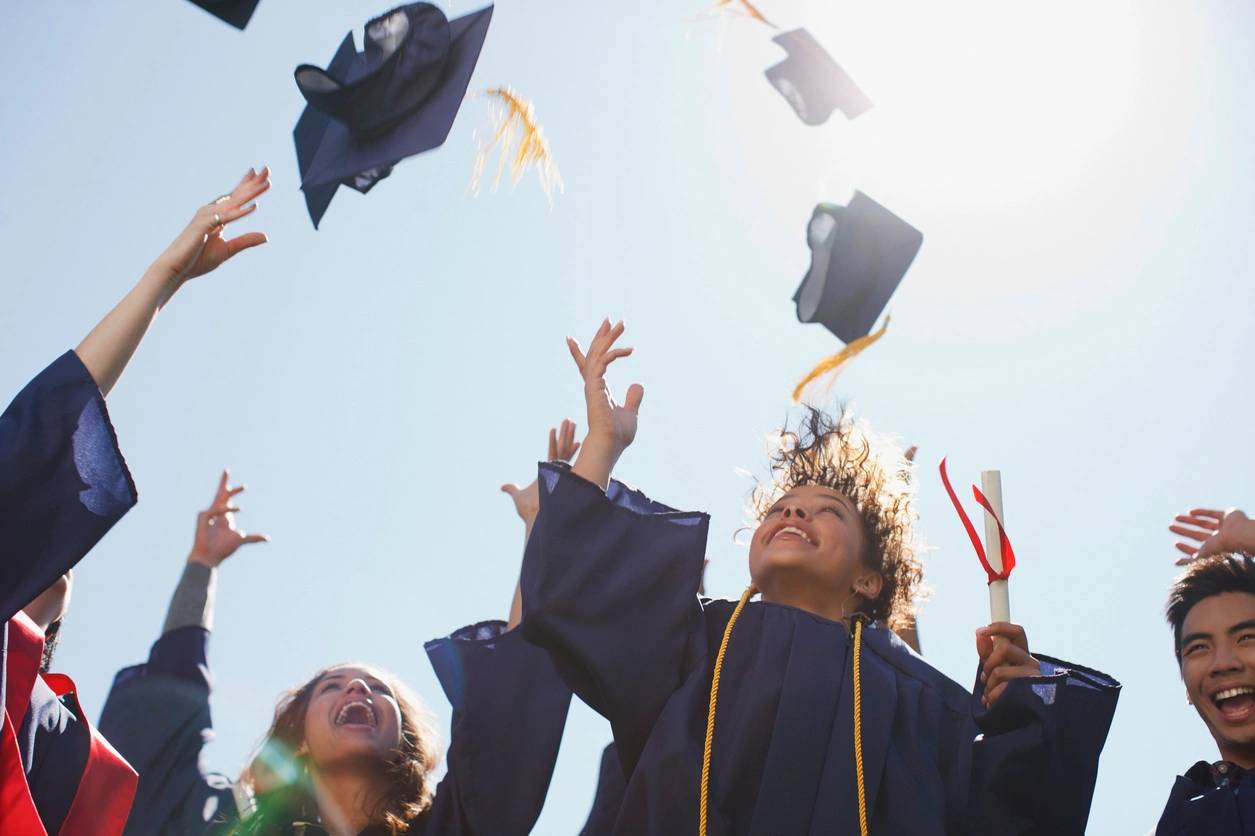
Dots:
pixel 999 598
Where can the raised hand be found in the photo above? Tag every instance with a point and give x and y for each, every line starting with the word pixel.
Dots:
pixel 1213 532
pixel 562 447
pixel 1003 661
pixel 611 426
pixel 217 537
pixel 201 247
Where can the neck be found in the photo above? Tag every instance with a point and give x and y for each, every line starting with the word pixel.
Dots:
pixel 805 594
pixel 1242 755
pixel 346 798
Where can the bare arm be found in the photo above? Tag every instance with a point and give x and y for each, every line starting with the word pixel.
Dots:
pixel 611 427
pixel 199 249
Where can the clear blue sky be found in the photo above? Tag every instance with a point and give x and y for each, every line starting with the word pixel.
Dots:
pixel 1079 317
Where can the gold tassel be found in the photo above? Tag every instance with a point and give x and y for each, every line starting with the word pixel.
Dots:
pixel 747 8
pixel 835 363
pixel 512 113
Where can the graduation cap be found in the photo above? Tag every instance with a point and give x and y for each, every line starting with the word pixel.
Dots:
pixel 859 255
pixel 235 12
pixel 368 111
pixel 814 83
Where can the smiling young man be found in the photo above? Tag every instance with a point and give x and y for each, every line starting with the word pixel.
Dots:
pixel 1211 608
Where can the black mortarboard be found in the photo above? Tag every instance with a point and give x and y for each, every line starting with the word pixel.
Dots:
pixel 859 254
pixel 234 12
pixel 368 111
pixel 812 82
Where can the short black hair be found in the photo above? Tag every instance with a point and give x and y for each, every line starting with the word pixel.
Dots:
pixel 1204 578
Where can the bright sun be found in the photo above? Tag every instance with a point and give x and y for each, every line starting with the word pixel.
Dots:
pixel 984 101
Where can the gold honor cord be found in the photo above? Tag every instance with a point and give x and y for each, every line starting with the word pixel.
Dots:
pixel 835 363
pixel 704 805
pixel 858 728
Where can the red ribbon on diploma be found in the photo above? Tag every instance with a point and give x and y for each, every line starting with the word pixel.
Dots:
pixel 1008 554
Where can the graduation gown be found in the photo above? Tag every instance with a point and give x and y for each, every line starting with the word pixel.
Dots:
pixel 63 485
pixel 509 709
pixel 608 797
pixel 608 582
pixel 1199 804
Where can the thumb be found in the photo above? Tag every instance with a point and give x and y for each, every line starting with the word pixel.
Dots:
pixel 512 490
pixel 635 394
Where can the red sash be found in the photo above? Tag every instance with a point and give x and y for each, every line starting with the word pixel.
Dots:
pixel 107 786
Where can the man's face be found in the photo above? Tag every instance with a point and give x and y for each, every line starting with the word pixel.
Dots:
pixel 1218 668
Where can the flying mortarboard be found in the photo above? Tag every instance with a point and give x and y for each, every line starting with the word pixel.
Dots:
pixel 813 83
pixel 235 12
pixel 368 111
pixel 859 255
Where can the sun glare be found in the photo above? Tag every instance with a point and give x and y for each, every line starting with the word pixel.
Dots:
pixel 984 101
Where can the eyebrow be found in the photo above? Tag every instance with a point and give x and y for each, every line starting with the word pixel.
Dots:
pixel 1236 628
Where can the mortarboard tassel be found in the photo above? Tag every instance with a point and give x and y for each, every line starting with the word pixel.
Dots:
pixel 837 361
pixel 511 113
pixel 746 8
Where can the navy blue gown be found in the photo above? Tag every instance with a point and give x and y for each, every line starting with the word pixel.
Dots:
pixel 63 485
pixel 608 586
pixel 509 710
pixel 608 797
pixel 1204 802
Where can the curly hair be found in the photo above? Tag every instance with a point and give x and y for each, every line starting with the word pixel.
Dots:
pixel 280 784
pixel 842 454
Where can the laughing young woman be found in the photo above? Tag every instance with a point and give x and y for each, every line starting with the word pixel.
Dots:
pixel 798 712
pixel 350 751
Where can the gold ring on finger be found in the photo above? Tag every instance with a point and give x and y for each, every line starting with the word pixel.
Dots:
pixel 217 221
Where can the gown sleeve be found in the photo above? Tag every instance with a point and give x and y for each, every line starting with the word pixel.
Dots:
pixel 1035 762
pixel 157 717
pixel 63 481
pixel 610 590
pixel 609 795
pixel 509 710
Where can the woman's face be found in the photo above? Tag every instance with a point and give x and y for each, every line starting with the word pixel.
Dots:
pixel 352 716
pixel 813 534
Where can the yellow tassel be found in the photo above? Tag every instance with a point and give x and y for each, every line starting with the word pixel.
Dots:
pixel 513 114
pixel 747 8
pixel 858 729
pixel 710 715
pixel 837 361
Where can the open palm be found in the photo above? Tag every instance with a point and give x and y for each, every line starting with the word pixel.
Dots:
pixel 201 246
pixel 217 536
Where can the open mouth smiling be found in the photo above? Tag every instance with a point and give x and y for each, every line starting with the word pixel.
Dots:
pixel 357 714
pixel 1236 704
pixel 793 531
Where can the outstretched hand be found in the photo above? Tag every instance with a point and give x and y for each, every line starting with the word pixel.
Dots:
pixel 1003 661
pixel 1213 532
pixel 201 247
pixel 217 537
pixel 611 426
pixel 562 447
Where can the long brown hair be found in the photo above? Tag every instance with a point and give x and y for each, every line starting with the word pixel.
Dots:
pixel 278 776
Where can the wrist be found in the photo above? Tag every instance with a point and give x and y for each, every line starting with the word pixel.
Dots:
pixel 203 560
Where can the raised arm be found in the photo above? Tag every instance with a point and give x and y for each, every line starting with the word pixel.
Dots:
pixel 197 250
pixel 1213 532
pixel 157 713
pixel 611 427
pixel 562 446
